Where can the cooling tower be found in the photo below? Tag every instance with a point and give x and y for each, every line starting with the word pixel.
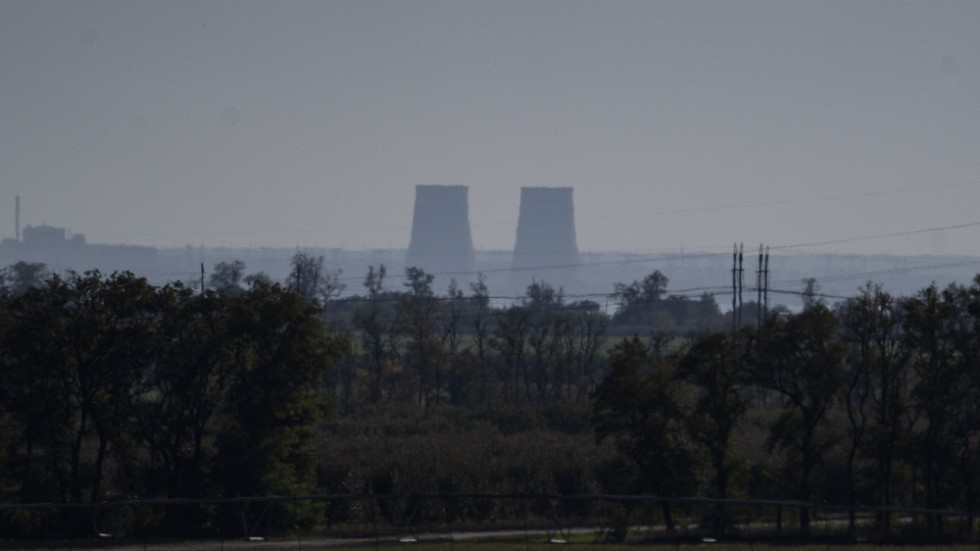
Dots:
pixel 441 240
pixel 545 247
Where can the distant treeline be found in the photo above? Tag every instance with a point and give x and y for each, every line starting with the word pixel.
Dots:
pixel 111 388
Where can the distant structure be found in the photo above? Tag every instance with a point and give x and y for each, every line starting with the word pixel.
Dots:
pixel 60 251
pixel 17 217
pixel 50 239
pixel 546 247
pixel 441 242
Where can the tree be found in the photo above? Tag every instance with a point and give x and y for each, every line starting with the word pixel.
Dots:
pixel 451 340
pixel 654 286
pixel 715 369
pixel 189 385
pixel 644 306
pixel 544 306
pixel 80 348
pixel 876 389
pixel 256 278
pixel 374 324
pixel 581 342
pixel 940 387
pixel 417 321
pixel 638 406
pixel 36 406
pixel 374 281
pixel 811 293
pixel 482 317
pixel 651 289
pixel 21 276
pixel 965 333
pixel 227 277
pixel 801 360
pixel 276 401
pixel 510 341
pixel 108 384
pixel 309 278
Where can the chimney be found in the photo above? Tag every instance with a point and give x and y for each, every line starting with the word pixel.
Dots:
pixel 546 247
pixel 441 240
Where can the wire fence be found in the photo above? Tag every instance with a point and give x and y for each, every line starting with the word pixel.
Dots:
pixel 360 519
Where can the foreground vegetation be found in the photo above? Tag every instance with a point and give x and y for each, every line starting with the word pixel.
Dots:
pixel 533 543
pixel 111 389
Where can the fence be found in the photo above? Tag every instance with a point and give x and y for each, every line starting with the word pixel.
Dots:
pixel 364 518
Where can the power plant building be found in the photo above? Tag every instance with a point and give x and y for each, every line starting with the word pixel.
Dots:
pixel 441 242
pixel 60 251
pixel 546 247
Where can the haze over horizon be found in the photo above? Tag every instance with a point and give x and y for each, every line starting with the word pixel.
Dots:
pixel 679 124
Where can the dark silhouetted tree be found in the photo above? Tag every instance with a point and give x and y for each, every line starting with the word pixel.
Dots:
pixel 276 400
pixel 638 406
pixel 714 366
pixel 417 318
pixel 876 390
pixel 309 278
pixel 227 277
pixel 21 276
pixel 811 293
pixel 801 359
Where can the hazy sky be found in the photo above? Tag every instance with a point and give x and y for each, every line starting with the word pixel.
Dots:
pixel 679 124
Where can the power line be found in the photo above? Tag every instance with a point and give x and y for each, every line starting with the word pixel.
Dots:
pixel 271 252
pixel 879 236
pixel 620 214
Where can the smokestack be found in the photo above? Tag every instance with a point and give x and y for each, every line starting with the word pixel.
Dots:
pixel 441 240
pixel 546 235
pixel 17 217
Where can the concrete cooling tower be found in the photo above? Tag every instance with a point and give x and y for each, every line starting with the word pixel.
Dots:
pixel 441 240
pixel 545 246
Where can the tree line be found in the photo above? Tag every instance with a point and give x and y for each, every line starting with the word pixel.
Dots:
pixel 873 402
pixel 114 388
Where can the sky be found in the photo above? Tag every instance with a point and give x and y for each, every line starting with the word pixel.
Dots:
pixel 850 127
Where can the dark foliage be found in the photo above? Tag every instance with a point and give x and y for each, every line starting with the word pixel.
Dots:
pixel 112 388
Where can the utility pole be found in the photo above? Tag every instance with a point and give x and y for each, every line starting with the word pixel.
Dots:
pixel 765 277
pixel 741 282
pixel 758 288
pixel 734 290
pixel 202 278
